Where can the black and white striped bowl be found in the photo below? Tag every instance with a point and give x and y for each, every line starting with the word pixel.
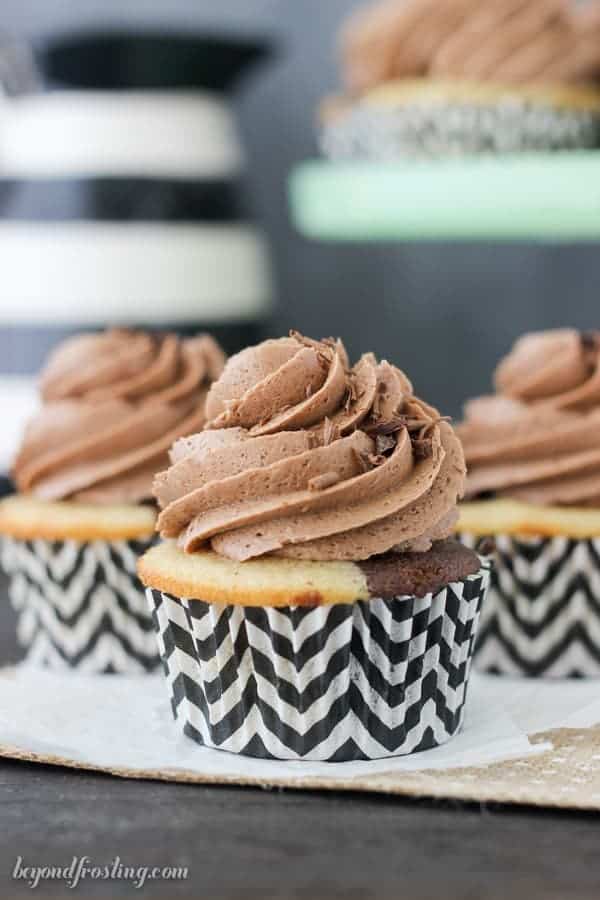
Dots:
pixel 122 176
pixel 365 680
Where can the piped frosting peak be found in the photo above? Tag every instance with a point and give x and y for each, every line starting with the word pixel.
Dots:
pixel 309 457
pixel 510 42
pixel 114 402
pixel 538 438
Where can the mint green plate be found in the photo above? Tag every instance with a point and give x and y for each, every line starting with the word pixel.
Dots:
pixel 541 197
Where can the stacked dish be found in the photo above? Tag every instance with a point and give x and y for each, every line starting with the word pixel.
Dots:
pixel 123 178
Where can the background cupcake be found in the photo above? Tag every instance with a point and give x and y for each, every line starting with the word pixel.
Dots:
pixel 112 405
pixel 533 454
pixel 452 77
pixel 307 600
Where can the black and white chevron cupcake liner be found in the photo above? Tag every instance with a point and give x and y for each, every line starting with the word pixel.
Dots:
pixel 444 129
pixel 80 605
pixel 542 613
pixel 354 681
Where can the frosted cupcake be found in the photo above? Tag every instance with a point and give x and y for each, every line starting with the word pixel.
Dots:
pixel 308 600
pixel 533 453
pixel 113 403
pixel 455 77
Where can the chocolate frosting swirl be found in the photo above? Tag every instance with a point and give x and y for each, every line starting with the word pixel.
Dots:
pixel 538 438
pixel 308 458
pixel 113 404
pixel 506 41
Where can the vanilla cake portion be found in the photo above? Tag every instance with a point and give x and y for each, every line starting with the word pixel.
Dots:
pixel 269 581
pixel 27 518
pixel 492 517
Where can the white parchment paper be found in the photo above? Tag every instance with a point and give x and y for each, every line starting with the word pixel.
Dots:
pixel 537 705
pixel 124 722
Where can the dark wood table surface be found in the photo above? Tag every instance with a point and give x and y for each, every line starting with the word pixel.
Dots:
pixel 252 843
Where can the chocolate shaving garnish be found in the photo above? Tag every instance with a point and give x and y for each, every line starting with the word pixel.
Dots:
pixel 422 449
pixel 419 425
pixel 298 336
pixel 424 432
pixel 351 394
pixel 384 443
pixel 324 348
pixel 321 482
pixel 338 349
pixel 419 429
pixel 412 424
pixel 330 432
pixel 380 393
pixel 387 426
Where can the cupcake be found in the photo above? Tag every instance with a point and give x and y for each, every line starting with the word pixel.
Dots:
pixel 113 403
pixel 458 77
pixel 308 599
pixel 533 455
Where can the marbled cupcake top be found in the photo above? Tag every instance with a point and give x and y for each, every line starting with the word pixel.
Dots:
pixel 113 404
pixel 505 41
pixel 538 438
pixel 307 457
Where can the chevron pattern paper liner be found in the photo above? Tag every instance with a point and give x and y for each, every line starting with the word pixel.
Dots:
pixel 451 129
pixel 542 613
pixel 352 681
pixel 80 605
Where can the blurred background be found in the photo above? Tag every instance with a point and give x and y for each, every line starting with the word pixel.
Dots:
pixel 443 312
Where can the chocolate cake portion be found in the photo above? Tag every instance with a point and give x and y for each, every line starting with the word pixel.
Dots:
pixel 418 574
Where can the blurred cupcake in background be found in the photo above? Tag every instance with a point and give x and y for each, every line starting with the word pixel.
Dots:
pixel 533 457
pixel 308 600
pixel 437 78
pixel 113 403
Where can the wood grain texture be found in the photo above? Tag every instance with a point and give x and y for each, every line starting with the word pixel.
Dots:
pixel 251 843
